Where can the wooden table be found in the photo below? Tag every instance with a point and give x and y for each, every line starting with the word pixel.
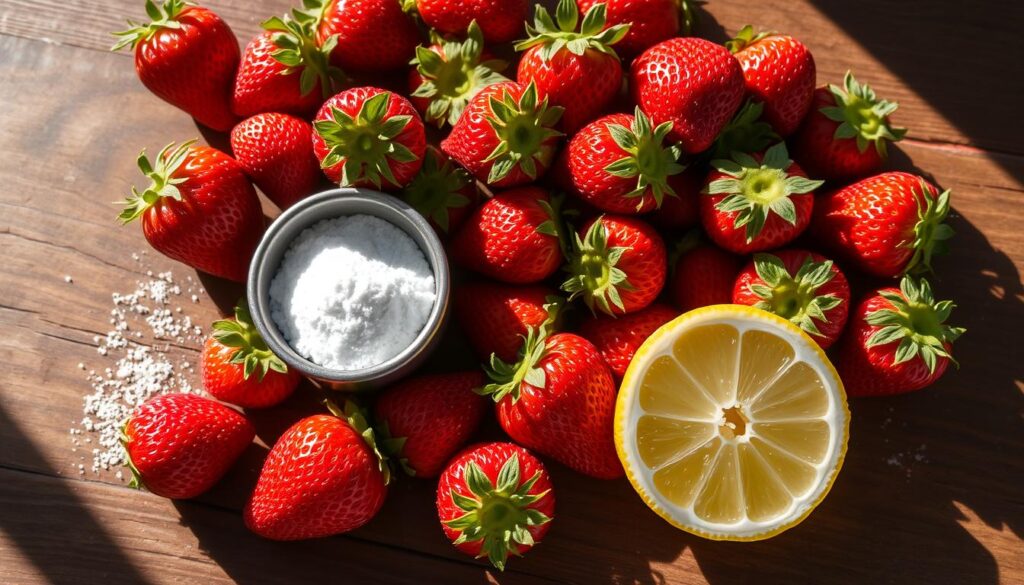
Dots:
pixel 932 488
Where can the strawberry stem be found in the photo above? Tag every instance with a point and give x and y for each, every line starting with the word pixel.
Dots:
pixel 595 277
pixel 558 34
pixel 862 115
pixel 794 297
pixel 251 349
pixel 521 127
pixel 356 418
pixel 162 17
pixel 437 188
pixel 163 183
pixel 297 48
pixel 509 378
pixel 930 231
pixel 647 158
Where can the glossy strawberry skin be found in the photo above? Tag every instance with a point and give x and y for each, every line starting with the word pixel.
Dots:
pixel 495 317
pixel 490 457
pixel 373 35
pixel 694 83
pixel 218 222
pixel 651 21
pixel 645 260
pixel 825 156
pixel 435 414
pixel 182 444
pixel 793 259
pixel 585 85
pixel 193 67
pixel 500 20
pixel 618 338
pixel 412 137
pixel 500 239
pixel 570 419
pixel 319 479
pixel 869 371
pixel 261 85
pixel 227 382
pixel 704 276
pixel 780 73
pixel 276 151
pixel 869 222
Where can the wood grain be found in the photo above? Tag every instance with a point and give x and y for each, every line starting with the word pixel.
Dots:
pixel 930 492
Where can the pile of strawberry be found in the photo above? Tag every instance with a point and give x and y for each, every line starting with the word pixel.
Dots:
pixel 557 181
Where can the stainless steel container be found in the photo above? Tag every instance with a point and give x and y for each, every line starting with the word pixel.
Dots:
pixel 329 205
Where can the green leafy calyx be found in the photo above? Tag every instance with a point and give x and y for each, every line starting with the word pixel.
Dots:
pixel 746 37
pixel 163 182
pixel 795 297
pixel 250 349
pixel 356 418
pixel 438 188
pixel 647 159
pixel 522 127
pixel 507 379
pixel 916 321
pixel 296 47
pixel 554 35
pixel 755 189
pixel 862 115
pixel 593 270
pixel 161 17
pixel 136 479
pixel 930 231
pixel 746 132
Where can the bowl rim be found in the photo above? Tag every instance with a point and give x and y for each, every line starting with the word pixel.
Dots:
pixel 306 210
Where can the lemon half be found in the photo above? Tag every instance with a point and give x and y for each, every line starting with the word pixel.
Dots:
pixel 731 423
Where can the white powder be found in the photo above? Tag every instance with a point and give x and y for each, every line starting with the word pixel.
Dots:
pixel 352 292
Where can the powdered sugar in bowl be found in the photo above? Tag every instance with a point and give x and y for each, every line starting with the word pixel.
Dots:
pixel 351 288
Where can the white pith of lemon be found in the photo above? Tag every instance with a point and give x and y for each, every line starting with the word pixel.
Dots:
pixel 731 423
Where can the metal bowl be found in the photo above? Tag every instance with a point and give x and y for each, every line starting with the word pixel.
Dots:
pixel 329 205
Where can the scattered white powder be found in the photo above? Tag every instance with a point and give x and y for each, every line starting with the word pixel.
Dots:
pixel 907 460
pixel 352 292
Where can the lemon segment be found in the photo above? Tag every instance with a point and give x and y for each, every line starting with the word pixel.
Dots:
pixel 731 423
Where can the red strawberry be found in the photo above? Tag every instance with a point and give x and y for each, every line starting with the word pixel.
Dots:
pixel 495 499
pixel 323 476
pixel 693 83
pixel 618 338
pixel 500 20
pixel 187 56
pixel 513 237
pixel 559 400
pixel 682 211
pixel 505 136
pixel 617 266
pixel 199 209
pixel 366 136
pixel 846 133
pixel 702 275
pixel 576 70
pixel 276 151
pixel 284 70
pixel 179 445
pixel 757 202
pixel 424 420
pixel 780 73
pixel 651 21
pixel 886 225
pixel 239 368
pixel 798 285
pixel 372 35
pixel 496 317
pixel 898 341
pixel 621 164
pixel 448 74
pixel 442 192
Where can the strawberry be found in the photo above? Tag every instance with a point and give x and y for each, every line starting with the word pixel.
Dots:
pixel 323 476
pixel 846 133
pixel 424 420
pixel 780 74
pixel 758 202
pixel 366 136
pixel 621 164
pixel 496 317
pixel 276 151
pixel 559 400
pixel 513 237
pixel 442 192
pixel 576 70
pixel 199 209
pixel 500 21
pixel 651 21
pixel 618 338
pixel 284 70
pixel 617 265
pixel 702 274
pixel 495 499
pixel 372 35
pixel 179 445
pixel 681 211
pixel 187 56
pixel 798 285
pixel 693 83
pixel 505 136
pixel 239 368
pixel 898 341
pixel 447 74
pixel 886 225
